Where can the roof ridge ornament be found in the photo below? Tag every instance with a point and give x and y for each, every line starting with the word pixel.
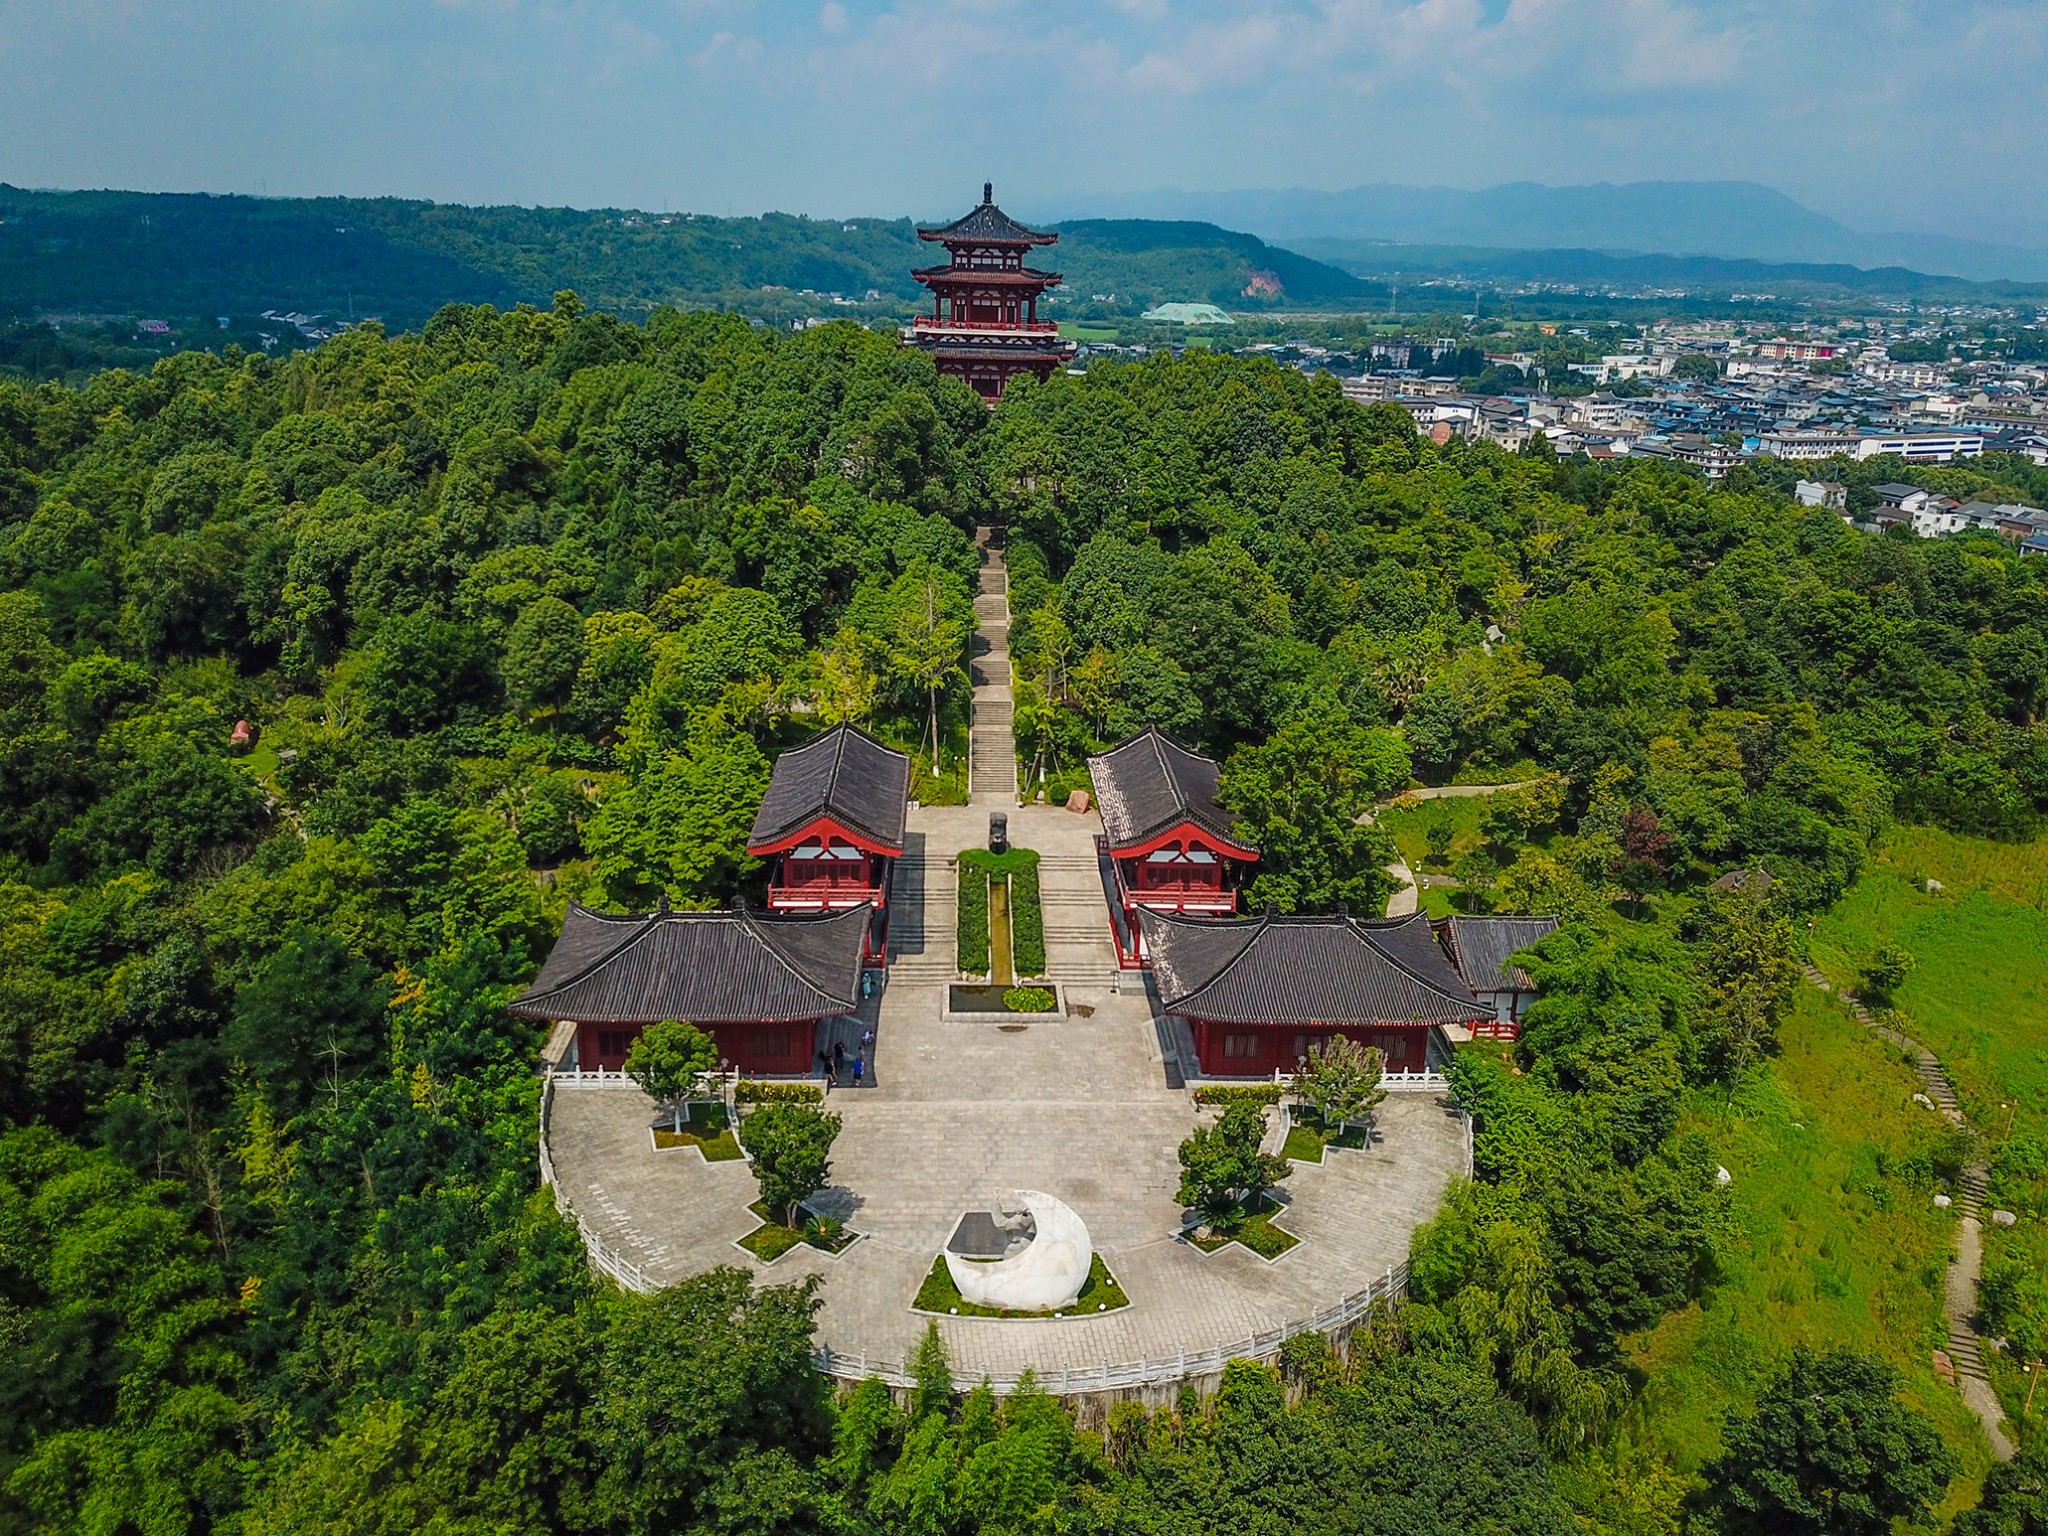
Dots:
pixel 988 193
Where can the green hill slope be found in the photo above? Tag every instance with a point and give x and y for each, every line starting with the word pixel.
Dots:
pixel 175 254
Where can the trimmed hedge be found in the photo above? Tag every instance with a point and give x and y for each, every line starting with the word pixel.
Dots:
pixel 748 1091
pixel 1223 1094
pixel 1029 999
pixel 970 928
pixel 1027 918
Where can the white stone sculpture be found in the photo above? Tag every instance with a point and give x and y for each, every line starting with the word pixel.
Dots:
pixel 1041 1274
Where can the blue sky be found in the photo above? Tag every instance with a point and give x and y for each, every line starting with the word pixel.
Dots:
pixel 1927 116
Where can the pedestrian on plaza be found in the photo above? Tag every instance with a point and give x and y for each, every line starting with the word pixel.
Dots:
pixel 867 1040
pixel 825 1062
pixel 838 1056
pixel 859 1064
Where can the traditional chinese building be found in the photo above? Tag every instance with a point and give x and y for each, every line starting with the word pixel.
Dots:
pixel 1257 994
pixel 1167 846
pixel 1482 949
pixel 758 984
pixel 984 324
pixel 831 827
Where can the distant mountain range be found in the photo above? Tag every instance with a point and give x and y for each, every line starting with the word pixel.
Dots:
pixel 1728 219
pixel 1387 263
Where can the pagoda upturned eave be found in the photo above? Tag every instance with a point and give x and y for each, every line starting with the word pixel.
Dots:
pixel 1008 338
pixel 1001 277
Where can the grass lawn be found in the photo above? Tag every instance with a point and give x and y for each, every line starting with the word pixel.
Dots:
pixel 1256 1232
pixel 1074 330
pixel 1979 996
pixel 771 1240
pixel 1306 1137
pixel 1409 828
pixel 706 1128
pixel 1099 1293
pixel 1825 1245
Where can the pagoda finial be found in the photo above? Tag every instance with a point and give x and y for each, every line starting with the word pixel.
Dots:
pixel 988 193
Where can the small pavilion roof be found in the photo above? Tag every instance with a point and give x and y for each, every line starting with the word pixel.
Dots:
pixel 845 774
pixel 1152 784
pixel 1288 970
pixel 987 225
pixel 1480 948
pixel 1755 878
pixel 639 968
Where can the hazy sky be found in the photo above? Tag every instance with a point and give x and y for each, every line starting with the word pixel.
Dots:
pixel 1884 113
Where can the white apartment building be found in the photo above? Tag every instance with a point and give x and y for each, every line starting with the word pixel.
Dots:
pixel 1626 365
pixel 1806 445
pixel 1922 447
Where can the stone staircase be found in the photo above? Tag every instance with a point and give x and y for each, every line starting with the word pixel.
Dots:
pixel 992 758
pixel 1965 1348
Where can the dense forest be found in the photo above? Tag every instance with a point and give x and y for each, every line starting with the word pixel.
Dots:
pixel 189 255
pixel 520 607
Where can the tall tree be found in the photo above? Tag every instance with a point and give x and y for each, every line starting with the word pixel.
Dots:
pixel 1302 797
pixel 666 1059
pixel 929 627
pixel 1830 1450
pixel 791 1147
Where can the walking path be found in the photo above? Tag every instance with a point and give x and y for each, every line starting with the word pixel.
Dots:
pixel 1959 1291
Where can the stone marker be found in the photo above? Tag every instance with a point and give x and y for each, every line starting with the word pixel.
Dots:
pixel 1942 1202
pixel 2003 1219
pixel 1078 802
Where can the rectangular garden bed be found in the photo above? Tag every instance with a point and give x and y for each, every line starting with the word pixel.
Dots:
pixel 1256 1232
pixel 771 1240
pixel 1308 1138
pixel 976 1002
pixel 706 1127
pixel 1099 1294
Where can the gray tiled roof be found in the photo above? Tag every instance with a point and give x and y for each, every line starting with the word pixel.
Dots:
pixel 845 774
pixel 1480 948
pixel 706 967
pixel 988 224
pixel 1284 970
pixel 1151 783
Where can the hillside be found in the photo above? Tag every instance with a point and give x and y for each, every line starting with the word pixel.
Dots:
pixel 184 255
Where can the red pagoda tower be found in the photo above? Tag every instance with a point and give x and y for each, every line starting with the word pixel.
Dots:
pixel 984 324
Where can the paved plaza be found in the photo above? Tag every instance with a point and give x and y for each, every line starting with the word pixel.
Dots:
pixel 1089 1107
pixel 960 1114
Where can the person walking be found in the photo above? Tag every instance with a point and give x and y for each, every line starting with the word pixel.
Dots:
pixel 867 1042
pixel 838 1056
pixel 859 1065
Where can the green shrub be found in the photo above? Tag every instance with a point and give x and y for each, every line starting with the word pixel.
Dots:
pixel 1027 919
pixel 1029 999
pixel 971 920
pixel 1000 863
pixel 748 1091
pixel 1221 1095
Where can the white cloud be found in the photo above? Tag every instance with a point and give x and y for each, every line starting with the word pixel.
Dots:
pixel 1888 111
